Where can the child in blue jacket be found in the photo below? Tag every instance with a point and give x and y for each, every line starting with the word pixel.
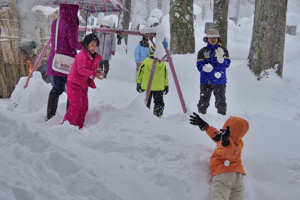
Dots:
pixel 212 62
pixel 141 52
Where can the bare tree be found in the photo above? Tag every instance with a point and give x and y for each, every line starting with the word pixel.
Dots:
pixel 221 18
pixel 126 18
pixel 237 9
pixel 182 27
pixel 268 38
pixel 159 4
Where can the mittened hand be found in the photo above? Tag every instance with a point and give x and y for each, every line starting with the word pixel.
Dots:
pixel 225 137
pixel 195 119
pixel 113 53
pixel 99 74
pixel 220 55
pixel 139 88
pixel 166 90
pixel 207 68
pixel 217 138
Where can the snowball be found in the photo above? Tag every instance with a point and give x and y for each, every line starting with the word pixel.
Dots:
pixel 218 75
pixel 207 68
pixel 227 163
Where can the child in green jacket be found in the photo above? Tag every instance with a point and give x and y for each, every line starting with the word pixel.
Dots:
pixel 160 83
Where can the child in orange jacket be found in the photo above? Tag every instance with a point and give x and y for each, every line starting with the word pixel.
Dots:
pixel 225 162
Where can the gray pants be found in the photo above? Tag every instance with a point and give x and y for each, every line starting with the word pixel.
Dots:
pixel 104 66
pixel 227 186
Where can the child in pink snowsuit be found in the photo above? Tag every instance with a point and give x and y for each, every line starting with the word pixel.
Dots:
pixel 83 72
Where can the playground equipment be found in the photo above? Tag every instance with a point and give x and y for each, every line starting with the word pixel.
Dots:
pixel 120 33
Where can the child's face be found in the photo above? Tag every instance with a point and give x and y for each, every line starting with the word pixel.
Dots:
pixel 213 40
pixel 92 47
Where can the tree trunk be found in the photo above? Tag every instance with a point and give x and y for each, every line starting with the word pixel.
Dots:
pixel 268 38
pixel 203 11
pixel 237 9
pixel 126 19
pixel 182 27
pixel 148 7
pixel 159 4
pixel 221 19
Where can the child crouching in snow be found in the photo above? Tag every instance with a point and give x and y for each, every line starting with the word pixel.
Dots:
pixel 83 72
pixel 225 162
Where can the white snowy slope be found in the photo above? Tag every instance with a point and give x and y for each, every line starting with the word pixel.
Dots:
pixel 124 152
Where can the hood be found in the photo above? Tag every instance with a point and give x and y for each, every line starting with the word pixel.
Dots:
pixel 238 127
pixel 68 11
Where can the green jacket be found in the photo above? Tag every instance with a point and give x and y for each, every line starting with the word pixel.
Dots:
pixel 160 79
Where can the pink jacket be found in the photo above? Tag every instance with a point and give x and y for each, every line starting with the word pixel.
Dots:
pixel 83 69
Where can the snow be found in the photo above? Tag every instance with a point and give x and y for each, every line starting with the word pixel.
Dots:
pixel 124 152
pixel 196 9
pixel 156 13
pixel 292 19
pixel 46 10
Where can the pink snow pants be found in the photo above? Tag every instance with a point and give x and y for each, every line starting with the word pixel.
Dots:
pixel 79 104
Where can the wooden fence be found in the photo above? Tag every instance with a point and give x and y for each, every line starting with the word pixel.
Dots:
pixel 13 63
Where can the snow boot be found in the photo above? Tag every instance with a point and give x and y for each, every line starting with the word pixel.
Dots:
pixel 105 72
pixel 202 110
pixel 222 111
pixel 52 105
pixel 158 110
pixel 68 104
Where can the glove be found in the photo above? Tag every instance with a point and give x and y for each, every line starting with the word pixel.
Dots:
pixel 196 120
pixel 225 137
pixel 165 44
pixel 220 55
pixel 139 88
pixel 166 90
pixel 207 68
pixel 113 53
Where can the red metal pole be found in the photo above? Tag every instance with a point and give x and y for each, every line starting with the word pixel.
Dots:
pixel 176 80
pixel 169 59
pixel 151 79
pixel 38 62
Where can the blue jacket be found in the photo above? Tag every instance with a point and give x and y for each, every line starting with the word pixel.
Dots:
pixel 207 55
pixel 141 53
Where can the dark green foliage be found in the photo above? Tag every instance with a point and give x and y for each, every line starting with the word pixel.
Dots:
pixel 182 27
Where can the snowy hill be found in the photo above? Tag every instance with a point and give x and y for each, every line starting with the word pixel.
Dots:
pixel 124 152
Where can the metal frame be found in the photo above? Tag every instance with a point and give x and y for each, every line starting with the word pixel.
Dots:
pixel 120 32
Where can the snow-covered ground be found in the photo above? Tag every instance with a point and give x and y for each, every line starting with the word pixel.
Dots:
pixel 124 152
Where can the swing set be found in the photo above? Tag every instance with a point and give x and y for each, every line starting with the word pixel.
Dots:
pixel 120 33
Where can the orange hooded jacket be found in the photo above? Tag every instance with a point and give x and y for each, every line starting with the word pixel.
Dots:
pixel 232 153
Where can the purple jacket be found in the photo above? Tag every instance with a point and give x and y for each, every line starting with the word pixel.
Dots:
pixel 67 40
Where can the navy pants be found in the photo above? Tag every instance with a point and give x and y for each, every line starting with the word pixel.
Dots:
pixel 58 85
